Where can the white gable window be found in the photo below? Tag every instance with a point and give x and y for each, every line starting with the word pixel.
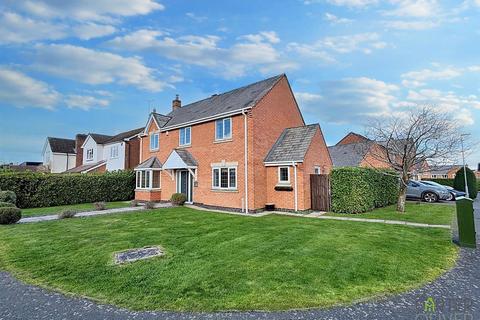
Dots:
pixel 154 141
pixel 224 178
pixel 317 170
pixel 114 152
pixel 223 129
pixel 90 154
pixel 283 175
pixel 185 136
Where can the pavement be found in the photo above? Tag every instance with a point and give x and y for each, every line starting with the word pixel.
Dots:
pixel 455 295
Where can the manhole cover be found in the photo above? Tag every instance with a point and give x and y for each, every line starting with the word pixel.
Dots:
pixel 132 255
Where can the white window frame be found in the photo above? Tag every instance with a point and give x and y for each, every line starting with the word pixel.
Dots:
pixel 152 135
pixel 140 173
pixel 183 132
pixel 317 170
pixel 279 175
pixel 114 152
pixel 89 154
pixel 224 137
pixel 229 187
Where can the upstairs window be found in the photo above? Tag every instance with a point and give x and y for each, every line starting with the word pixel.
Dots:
pixel 89 154
pixel 223 129
pixel 113 152
pixel 317 170
pixel 283 175
pixel 185 136
pixel 154 141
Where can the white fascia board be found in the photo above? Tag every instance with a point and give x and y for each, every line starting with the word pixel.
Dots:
pixel 282 163
pixel 85 142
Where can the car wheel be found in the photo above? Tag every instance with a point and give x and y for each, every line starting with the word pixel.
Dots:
pixel 451 197
pixel 430 197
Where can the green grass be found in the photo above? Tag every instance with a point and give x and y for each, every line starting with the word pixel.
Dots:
pixel 414 212
pixel 217 261
pixel 32 212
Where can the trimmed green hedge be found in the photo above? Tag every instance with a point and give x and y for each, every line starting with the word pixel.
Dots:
pixel 356 190
pixel 445 182
pixel 459 182
pixel 45 190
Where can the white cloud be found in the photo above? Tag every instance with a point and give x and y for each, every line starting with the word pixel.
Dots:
pixel 414 8
pixel 419 78
pixel 17 29
pixel 95 67
pixel 336 20
pixel 326 48
pixel 348 3
pixel 411 25
pixel 21 90
pixel 193 16
pixel 91 30
pixel 88 10
pixel 85 102
pixel 251 50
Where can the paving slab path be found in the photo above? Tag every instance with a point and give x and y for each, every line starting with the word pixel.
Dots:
pixel 456 295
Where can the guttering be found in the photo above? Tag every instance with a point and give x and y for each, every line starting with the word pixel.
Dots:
pixel 296 185
pixel 214 117
pixel 281 163
pixel 245 166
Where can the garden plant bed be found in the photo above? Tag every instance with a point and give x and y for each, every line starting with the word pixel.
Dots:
pixel 225 262
pixel 414 212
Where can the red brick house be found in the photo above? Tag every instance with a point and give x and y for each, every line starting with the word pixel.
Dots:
pixel 238 150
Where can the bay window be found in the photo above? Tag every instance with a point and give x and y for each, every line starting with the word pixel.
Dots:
pixel 148 179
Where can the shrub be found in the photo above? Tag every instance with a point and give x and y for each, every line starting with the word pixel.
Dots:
pixel 66 214
pixel 445 182
pixel 134 203
pixel 101 205
pixel 459 182
pixel 6 204
pixel 178 199
pixel 8 196
pixel 35 189
pixel 10 215
pixel 149 205
pixel 356 190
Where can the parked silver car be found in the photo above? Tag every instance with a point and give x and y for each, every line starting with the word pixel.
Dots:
pixel 428 193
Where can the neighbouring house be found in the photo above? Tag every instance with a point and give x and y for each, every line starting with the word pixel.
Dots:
pixel 238 150
pixel 58 154
pixel 355 150
pixel 441 172
pixel 100 153
pixel 35 166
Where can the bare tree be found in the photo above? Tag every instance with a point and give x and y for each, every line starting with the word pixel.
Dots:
pixel 412 142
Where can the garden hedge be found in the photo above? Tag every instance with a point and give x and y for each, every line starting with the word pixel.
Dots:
pixel 449 182
pixel 356 190
pixel 459 182
pixel 10 215
pixel 45 190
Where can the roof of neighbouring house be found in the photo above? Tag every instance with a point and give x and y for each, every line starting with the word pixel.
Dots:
pixel 86 167
pixel 150 163
pixel 362 138
pixel 292 145
pixel 124 135
pixel 349 155
pixel 444 169
pixel 231 101
pixel 61 145
pixel 100 138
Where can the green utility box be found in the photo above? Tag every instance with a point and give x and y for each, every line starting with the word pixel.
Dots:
pixel 466 223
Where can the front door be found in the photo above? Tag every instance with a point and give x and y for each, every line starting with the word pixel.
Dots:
pixel 185 184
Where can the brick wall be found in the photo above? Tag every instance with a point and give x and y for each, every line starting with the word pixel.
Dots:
pixel 79 140
pixel 374 158
pixel 351 138
pixel 132 153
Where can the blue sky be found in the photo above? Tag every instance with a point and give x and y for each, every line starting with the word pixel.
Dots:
pixel 70 67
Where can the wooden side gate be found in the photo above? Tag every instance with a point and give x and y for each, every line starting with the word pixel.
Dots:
pixel 320 192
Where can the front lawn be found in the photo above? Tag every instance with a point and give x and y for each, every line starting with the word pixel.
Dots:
pixel 217 261
pixel 32 212
pixel 414 212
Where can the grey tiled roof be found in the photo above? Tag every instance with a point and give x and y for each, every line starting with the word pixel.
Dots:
pixel 230 101
pixel 100 138
pixel 292 145
pixel 443 169
pixel 349 155
pixel 61 145
pixel 86 167
pixel 124 135
pixel 187 157
pixel 150 163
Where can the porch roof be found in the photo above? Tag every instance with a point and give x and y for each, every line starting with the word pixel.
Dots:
pixel 180 159
pixel 150 163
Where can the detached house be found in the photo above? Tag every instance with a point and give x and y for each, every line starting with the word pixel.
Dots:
pixel 100 153
pixel 58 154
pixel 238 150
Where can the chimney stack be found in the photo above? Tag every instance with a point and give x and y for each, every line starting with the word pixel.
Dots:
pixel 79 140
pixel 176 104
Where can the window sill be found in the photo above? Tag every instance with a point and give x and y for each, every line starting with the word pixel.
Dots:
pixel 283 187
pixel 185 146
pixel 152 150
pixel 223 140
pixel 148 190
pixel 225 190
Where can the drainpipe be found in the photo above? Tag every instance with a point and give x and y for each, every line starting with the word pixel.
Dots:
pixel 296 190
pixel 245 166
